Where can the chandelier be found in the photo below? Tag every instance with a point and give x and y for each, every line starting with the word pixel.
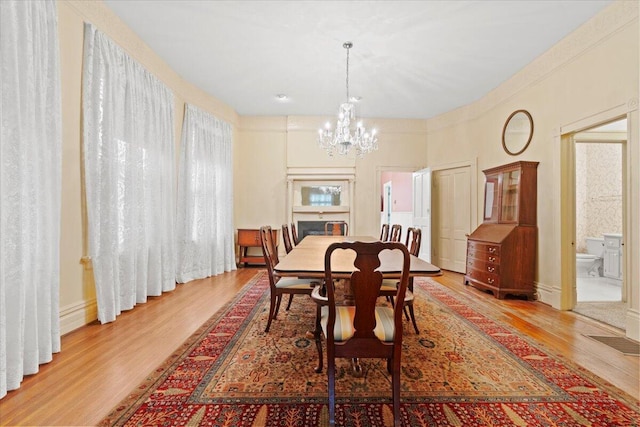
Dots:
pixel 349 133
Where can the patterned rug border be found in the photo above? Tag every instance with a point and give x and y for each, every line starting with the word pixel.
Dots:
pixel 251 290
pixel 610 388
pixel 247 301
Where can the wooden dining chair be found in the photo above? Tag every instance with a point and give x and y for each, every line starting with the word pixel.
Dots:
pixel 336 228
pixel 384 232
pixel 286 238
pixel 396 233
pixel 413 240
pixel 280 286
pixel 364 329
pixel 294 234
pixel 389 286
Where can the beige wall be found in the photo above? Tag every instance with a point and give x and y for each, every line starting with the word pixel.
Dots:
pixel 260 180
pixel 591 75
pixel 267 146
pixel 594 70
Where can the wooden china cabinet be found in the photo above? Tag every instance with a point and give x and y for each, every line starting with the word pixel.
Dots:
pixel 501 252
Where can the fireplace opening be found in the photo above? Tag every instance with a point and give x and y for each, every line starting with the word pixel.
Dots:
pixel 316 228
pixel 310 228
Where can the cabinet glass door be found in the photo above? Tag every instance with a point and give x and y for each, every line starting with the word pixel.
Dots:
pixel 491 198
pixel 510 189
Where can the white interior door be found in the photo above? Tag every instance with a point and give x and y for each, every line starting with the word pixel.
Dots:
pixel 452 217
pixel 422 209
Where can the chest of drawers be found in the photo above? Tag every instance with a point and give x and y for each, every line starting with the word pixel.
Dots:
pixel 501 259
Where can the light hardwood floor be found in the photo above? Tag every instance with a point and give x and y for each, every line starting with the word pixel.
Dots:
pixel 100 364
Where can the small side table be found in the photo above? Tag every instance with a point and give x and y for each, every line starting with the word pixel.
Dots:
pixel 250 238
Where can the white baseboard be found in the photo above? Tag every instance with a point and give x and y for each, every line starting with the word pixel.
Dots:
pixel 548 295
pixel 74 316
pixel 633 324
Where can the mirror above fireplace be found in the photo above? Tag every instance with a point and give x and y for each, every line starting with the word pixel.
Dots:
pixel 319 195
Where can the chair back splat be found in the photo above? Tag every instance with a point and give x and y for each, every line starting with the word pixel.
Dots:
pixel 336 228
pixel 294 234
pixel 353 331
pixel 286 238
pixel 414 240
pixel 396 233
pixel 384 232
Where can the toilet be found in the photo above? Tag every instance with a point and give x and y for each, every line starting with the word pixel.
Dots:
pixel 590 264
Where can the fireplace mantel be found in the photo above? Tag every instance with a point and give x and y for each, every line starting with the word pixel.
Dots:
pixel 297 178
pixel 320 173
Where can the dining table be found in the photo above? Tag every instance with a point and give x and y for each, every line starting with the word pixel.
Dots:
pixel 307 259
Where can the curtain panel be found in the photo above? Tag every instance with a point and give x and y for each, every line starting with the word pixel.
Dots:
pixel 30 187
pixel 205 233
pixel 129 175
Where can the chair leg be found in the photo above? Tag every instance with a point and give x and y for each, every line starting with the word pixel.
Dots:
pixel 391 300
pixel 395 379
pixel 278 300
pixel 331 376
pixel 272 307
pixel 406 315
pixel 410 288
pixel 289 303
pixel 317 334
pixel 413 318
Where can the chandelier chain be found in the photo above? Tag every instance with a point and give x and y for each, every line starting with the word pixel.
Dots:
pixel 348 46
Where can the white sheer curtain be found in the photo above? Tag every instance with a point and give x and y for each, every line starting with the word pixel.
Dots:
pixel 205 231
pixel 30 176
pixel 129 177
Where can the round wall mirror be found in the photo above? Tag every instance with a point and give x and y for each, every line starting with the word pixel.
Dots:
pixel 517 132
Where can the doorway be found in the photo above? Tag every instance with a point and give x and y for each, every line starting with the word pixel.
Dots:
pixel 599 206
pixel 397 198
pixel 451 217
pixel 419 197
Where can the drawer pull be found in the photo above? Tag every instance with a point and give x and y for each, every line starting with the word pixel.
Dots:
pixel 492 259
pixel 492 250
pixel 490 281
pixel 491 269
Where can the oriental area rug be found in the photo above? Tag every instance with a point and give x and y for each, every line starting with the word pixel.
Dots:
pixel 463 369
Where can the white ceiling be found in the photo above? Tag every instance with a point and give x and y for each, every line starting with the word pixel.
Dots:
pixel 410 59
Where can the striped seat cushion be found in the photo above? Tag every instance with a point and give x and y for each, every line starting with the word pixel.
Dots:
pixel 386 289
pixel 343 329
pixel 390 283
pixel 294 283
